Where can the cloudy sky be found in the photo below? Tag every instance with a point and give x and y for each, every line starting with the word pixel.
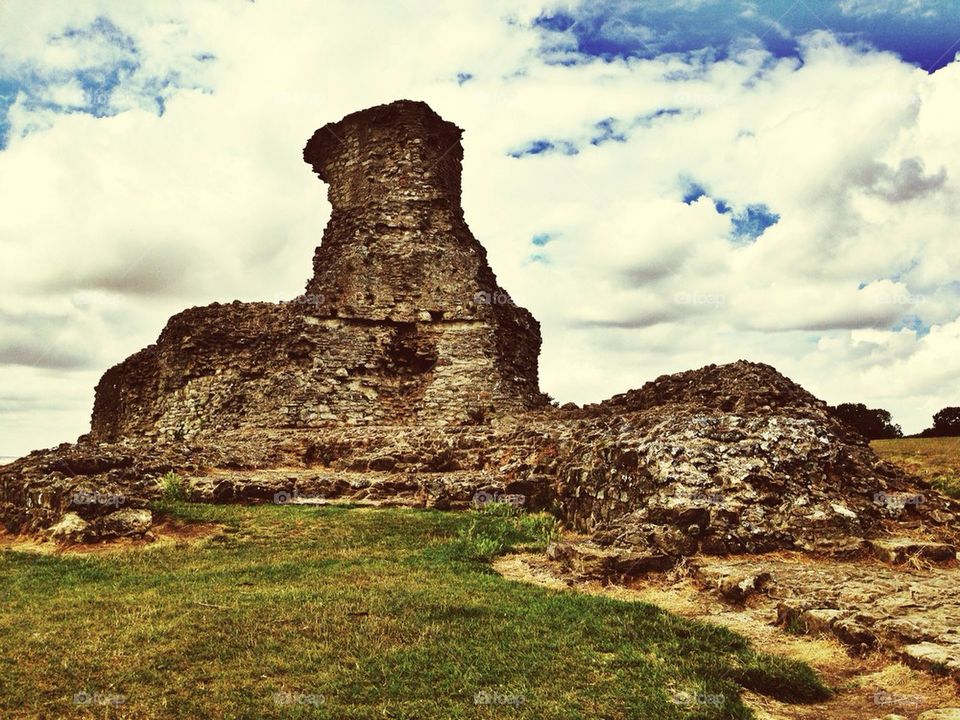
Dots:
pixel 664 184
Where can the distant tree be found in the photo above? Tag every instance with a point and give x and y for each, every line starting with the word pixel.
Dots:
pixel 945 423
pixel 874 424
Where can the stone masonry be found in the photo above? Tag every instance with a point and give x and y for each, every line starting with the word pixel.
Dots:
pixel 403 321
pixel 405 373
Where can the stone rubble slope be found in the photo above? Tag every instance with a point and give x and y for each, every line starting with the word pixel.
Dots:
pixel 731 459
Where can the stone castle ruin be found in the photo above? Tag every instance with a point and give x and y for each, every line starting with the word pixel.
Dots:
pixel 405 375
pixel 393 328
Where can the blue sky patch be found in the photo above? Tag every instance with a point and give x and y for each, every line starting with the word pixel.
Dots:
pixel 8 94
pixel 607 132
pixel 914 323
pixel 926 34
pixel 101 29
pixel 693 192
pixel 87 88
pixel 540 147
pixel 747 224
pixel 609 129
pixel 556 22
pixel 647 120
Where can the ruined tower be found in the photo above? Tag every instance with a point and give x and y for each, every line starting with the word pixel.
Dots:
pixel 396 247
pixel 403 321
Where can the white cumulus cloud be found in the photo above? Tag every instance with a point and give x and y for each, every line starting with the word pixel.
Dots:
pixel 113 223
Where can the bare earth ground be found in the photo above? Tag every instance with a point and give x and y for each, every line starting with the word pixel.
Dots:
pixel 170 531
pixel 868 686
pixel 859 623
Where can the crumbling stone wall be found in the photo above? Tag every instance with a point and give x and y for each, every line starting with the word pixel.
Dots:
pixel 403 321
pixel 397 245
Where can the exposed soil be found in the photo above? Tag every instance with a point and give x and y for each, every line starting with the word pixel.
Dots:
pixel 869 686
pixel 166 531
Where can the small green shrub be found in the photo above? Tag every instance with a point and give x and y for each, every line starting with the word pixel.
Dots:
pixel 486 549
pixel 500 509
pixel 947 485
pixel 480 542
pixel 499 527
pixel 174 487
pixel 544 527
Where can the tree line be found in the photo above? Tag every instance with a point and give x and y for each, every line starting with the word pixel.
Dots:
pixel 877 424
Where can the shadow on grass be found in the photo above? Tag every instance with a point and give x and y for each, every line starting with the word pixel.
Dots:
pixel 340 612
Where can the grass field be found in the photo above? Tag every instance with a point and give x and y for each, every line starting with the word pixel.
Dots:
pixel 334 612
pixel 934 459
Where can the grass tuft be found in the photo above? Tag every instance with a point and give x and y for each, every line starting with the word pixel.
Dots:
pixel 498 527
pixel 174 487
pixel 947 485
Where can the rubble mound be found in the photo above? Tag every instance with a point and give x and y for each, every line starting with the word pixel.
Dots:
pixel 405 373
pixel 740 387
pixel 80 493
pixel 731 459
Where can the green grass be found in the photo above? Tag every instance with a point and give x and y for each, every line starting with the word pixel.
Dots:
pixel 354 613
pixel 948 486
pixel 174 487
pixel 934 459
pixel 497 527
